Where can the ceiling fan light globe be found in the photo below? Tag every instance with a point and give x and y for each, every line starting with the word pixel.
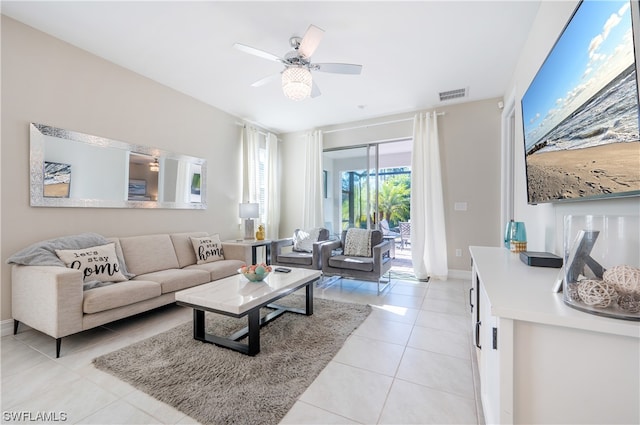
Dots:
pixel 296 83
pixel 154 166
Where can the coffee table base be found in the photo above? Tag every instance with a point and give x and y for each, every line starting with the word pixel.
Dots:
pixel 255 322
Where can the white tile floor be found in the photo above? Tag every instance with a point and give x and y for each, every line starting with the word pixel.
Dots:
pixel 410 362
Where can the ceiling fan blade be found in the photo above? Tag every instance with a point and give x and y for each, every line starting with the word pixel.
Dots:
pixel 339 68
pixel 315 91
pixel 310 41
pixel 258 52
pixel 265 80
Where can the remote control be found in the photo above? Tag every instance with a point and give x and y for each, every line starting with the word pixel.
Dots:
pixel 282 269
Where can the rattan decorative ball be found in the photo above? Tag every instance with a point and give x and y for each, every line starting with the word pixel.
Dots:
pixel 596 293
pixel 629 302
pixel 625 279
pixel 572 291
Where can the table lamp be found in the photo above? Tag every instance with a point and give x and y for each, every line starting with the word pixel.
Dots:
pixel 249 211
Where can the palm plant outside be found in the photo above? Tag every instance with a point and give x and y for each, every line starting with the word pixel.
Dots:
pixel 394 198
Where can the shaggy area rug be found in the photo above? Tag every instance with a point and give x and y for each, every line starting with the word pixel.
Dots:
pixel 216 385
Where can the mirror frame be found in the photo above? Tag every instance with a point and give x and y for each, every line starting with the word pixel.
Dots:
pixel 38 133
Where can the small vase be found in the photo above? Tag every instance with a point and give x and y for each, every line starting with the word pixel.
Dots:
pixel 260 233
pixel 507 234
pixel 518 238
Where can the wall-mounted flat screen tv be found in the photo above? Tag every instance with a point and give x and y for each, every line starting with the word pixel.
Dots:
pixel 580 113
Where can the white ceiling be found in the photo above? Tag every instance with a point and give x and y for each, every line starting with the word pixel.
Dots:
pixel 410 51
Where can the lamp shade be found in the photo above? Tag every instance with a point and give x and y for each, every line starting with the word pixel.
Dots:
pixel 249 210
pixel 296 82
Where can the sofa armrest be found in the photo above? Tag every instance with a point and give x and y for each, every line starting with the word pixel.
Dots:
pixel 235 252
pixel 277 245
pixel 47 298
pixel 381 248
pixel 316 253
pixel 327 249
pixel 379 252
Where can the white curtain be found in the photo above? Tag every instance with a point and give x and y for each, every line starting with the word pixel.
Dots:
pixel 251 163
pixel 312 215
pixel 428 237
pixel 272 196
pixel 183 183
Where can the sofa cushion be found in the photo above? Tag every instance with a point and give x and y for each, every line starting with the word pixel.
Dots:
pixel 97 263
pixel 219 269
pixel 123 266
pixel 172 280
pixel 301 258
pixel 118 295
pixel 184 248
pixel 364 264
pixel 150 253
pixel 207 249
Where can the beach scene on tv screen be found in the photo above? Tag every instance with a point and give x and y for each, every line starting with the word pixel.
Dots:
pixel 580 113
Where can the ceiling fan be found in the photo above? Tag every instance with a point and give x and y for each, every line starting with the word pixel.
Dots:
pixel 297 82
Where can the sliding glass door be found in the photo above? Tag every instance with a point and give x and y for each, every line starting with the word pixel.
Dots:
pixel 347 196
pixel 354 178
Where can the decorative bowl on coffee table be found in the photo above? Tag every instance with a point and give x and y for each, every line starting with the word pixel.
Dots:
pixel 255 273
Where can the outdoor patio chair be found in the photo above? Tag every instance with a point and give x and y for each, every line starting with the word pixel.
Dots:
pixel 405 233
pixel 339 258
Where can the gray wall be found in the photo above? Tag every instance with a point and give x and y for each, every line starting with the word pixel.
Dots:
pixel 47 81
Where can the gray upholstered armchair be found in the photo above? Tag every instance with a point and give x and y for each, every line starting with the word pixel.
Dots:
pixel 338 258
pixel 298 252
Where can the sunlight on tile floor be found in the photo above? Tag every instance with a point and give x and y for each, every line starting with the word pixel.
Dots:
pixel 409 362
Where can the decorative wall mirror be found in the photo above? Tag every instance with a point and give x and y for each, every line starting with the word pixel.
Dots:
pixel 72 169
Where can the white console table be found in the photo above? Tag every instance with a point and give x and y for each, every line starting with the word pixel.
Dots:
pixel 541 361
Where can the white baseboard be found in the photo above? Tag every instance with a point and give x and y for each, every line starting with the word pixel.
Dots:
pixel 460 274
pixel 6 327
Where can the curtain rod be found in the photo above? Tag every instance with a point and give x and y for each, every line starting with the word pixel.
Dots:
pixel 375 124
pixel 244 125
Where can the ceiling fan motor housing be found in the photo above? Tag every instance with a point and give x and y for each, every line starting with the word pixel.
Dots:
pixel 293 57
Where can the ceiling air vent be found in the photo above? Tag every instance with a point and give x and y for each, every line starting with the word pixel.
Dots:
pixel 452 94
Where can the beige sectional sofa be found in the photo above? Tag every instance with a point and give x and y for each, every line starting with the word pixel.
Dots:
pixel 52 300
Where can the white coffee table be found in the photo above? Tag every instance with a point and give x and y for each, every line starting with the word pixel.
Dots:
pixel 237 297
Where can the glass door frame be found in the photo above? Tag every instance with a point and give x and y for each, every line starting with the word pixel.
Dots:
pixel 368 193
